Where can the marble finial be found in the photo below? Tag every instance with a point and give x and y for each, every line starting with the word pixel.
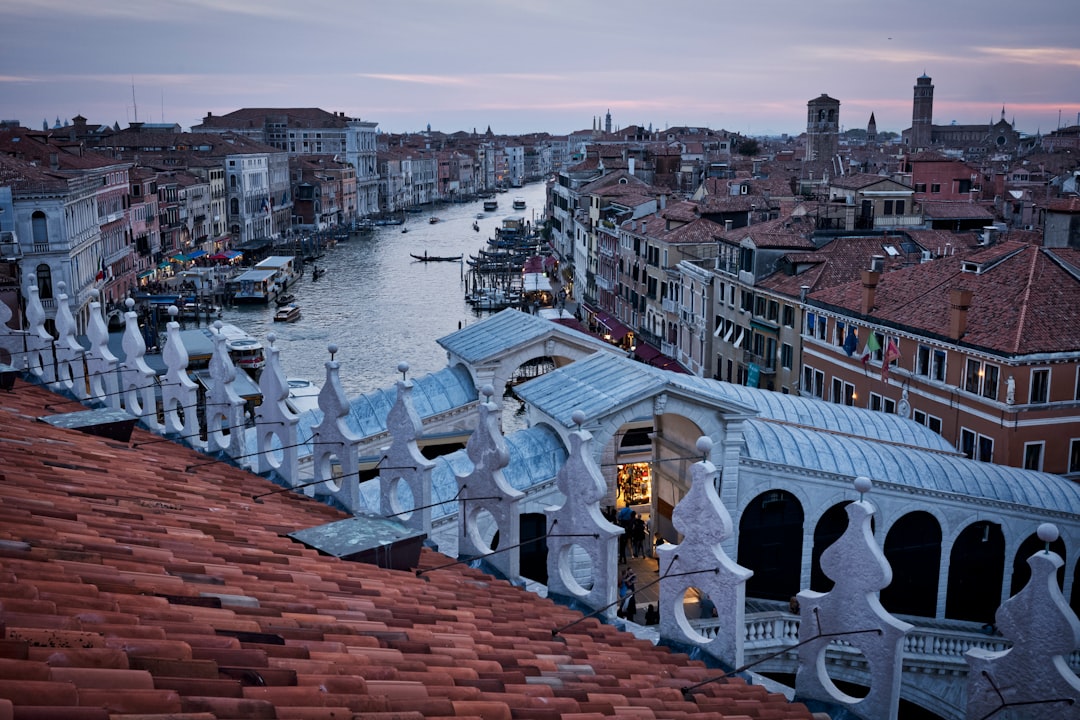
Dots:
pixel 1033 675
pixel 862 485
pixel 704 446
pixel 403 368
pixel 95 294
pixel 332 348
pixel 173 311
pixel 1048 533
pixel 129 303
pixel 271 337
pixel 578 417
pixel 487 391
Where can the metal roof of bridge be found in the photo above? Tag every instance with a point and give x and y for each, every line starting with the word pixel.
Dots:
pixel 432 394
pixel 506 330
pixel 536 454
pixel 804 447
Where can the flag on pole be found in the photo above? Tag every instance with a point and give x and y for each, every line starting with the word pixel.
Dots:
pixel 851 342
pixel 892 352
pixel 872 346
pixel 101 269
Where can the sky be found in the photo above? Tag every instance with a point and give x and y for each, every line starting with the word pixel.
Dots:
pixel 543 66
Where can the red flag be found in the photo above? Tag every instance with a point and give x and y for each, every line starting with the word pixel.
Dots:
pixel 892 352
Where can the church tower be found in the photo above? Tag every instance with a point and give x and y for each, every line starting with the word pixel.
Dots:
pixel 871 130
pixel 607 122
pixel 822 128
pixel 922 114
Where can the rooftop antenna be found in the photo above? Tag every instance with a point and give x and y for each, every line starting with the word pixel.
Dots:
pixel 133 103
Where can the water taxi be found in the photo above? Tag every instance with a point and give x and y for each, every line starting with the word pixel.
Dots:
pixel 287 313
pixel 519 203
pixel 264 282
pixel 491 205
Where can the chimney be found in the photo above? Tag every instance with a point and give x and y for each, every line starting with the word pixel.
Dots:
pixel 959 302
pixel 804 290
pixel 877 263
pixel 870 280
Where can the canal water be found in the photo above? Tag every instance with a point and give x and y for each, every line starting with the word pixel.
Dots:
pixel 378 305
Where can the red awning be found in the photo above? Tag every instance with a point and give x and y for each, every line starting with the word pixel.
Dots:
pixel 645 353
pixel 617 329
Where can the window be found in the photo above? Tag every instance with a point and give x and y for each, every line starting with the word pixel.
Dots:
pixel 759 306
pixel 789 321
pixel 1040 385
pixel 786 354
pixel 813 382
pixel 770 353
pixel 921 417
pixel 1074 455
pixel 843 393
pixel 838 333
pixel 976 446
pixel 899 207
pixel 990 381
pixel 882 404
pixel 935 187
pixel 773 311
pixel 888 208
pixel 1077 391
pixel 747 301
pixel 1033 455
pixel 981 378
pixel 920 187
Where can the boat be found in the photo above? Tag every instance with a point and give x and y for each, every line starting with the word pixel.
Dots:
pixel 287 313
pixel 433 220
pixel 480 216
pixel 286 299
pixel 519 203
pixel 476 226
pixel 264 282
pixel 317 273
pixel 303 395
pixel 436 258
pixel 246 352
pixel 404 229
pixel 491 205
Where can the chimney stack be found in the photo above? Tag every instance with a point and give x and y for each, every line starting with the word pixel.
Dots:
pixel 804 290
pixel 877 263
pixel 870 280
pixel 959 303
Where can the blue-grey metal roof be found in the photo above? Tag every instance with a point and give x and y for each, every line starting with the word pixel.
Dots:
pixel 432 394
pixel 506 330
pixel 596 385
pixel 536 454
pixel 816 413
pixel 787 444
pixel 604 382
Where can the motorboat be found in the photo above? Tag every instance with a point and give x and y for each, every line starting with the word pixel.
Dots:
pixel 285 299
pixel 519 203
pixel 491 205
pixel 287 313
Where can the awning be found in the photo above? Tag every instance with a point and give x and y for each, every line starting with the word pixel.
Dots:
pixel 163 264
pixel 617 329
pixel 196 254
pixel 180 257
pixel 146 273
pixel 646 353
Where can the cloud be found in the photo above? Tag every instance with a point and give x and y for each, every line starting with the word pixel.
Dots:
pixel 441 80
pixel 1069 57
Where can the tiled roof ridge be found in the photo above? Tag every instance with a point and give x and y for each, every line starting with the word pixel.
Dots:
pixel 1025 306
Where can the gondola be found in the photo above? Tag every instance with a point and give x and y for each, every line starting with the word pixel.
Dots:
pixel 436 258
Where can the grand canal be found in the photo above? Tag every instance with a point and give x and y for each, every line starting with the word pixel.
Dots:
pixel 377 304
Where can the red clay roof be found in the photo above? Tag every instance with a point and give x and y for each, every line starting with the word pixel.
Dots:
pixel 1023 300
pixel 129 585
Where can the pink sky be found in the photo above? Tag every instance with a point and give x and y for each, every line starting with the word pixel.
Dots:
pixel 540 66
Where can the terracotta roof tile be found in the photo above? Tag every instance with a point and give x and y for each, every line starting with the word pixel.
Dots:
pixel 195 604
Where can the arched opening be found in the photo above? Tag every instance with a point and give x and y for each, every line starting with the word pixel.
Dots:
pixel 832 525
pixel 770 544
pixel 976 569
pixel 43 276
pixel 1022 571
pixel 39 228
pixel 234 206
pixel 913 549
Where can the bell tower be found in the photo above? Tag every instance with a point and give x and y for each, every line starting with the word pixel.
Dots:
pixel 822 128
pixel 922 114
